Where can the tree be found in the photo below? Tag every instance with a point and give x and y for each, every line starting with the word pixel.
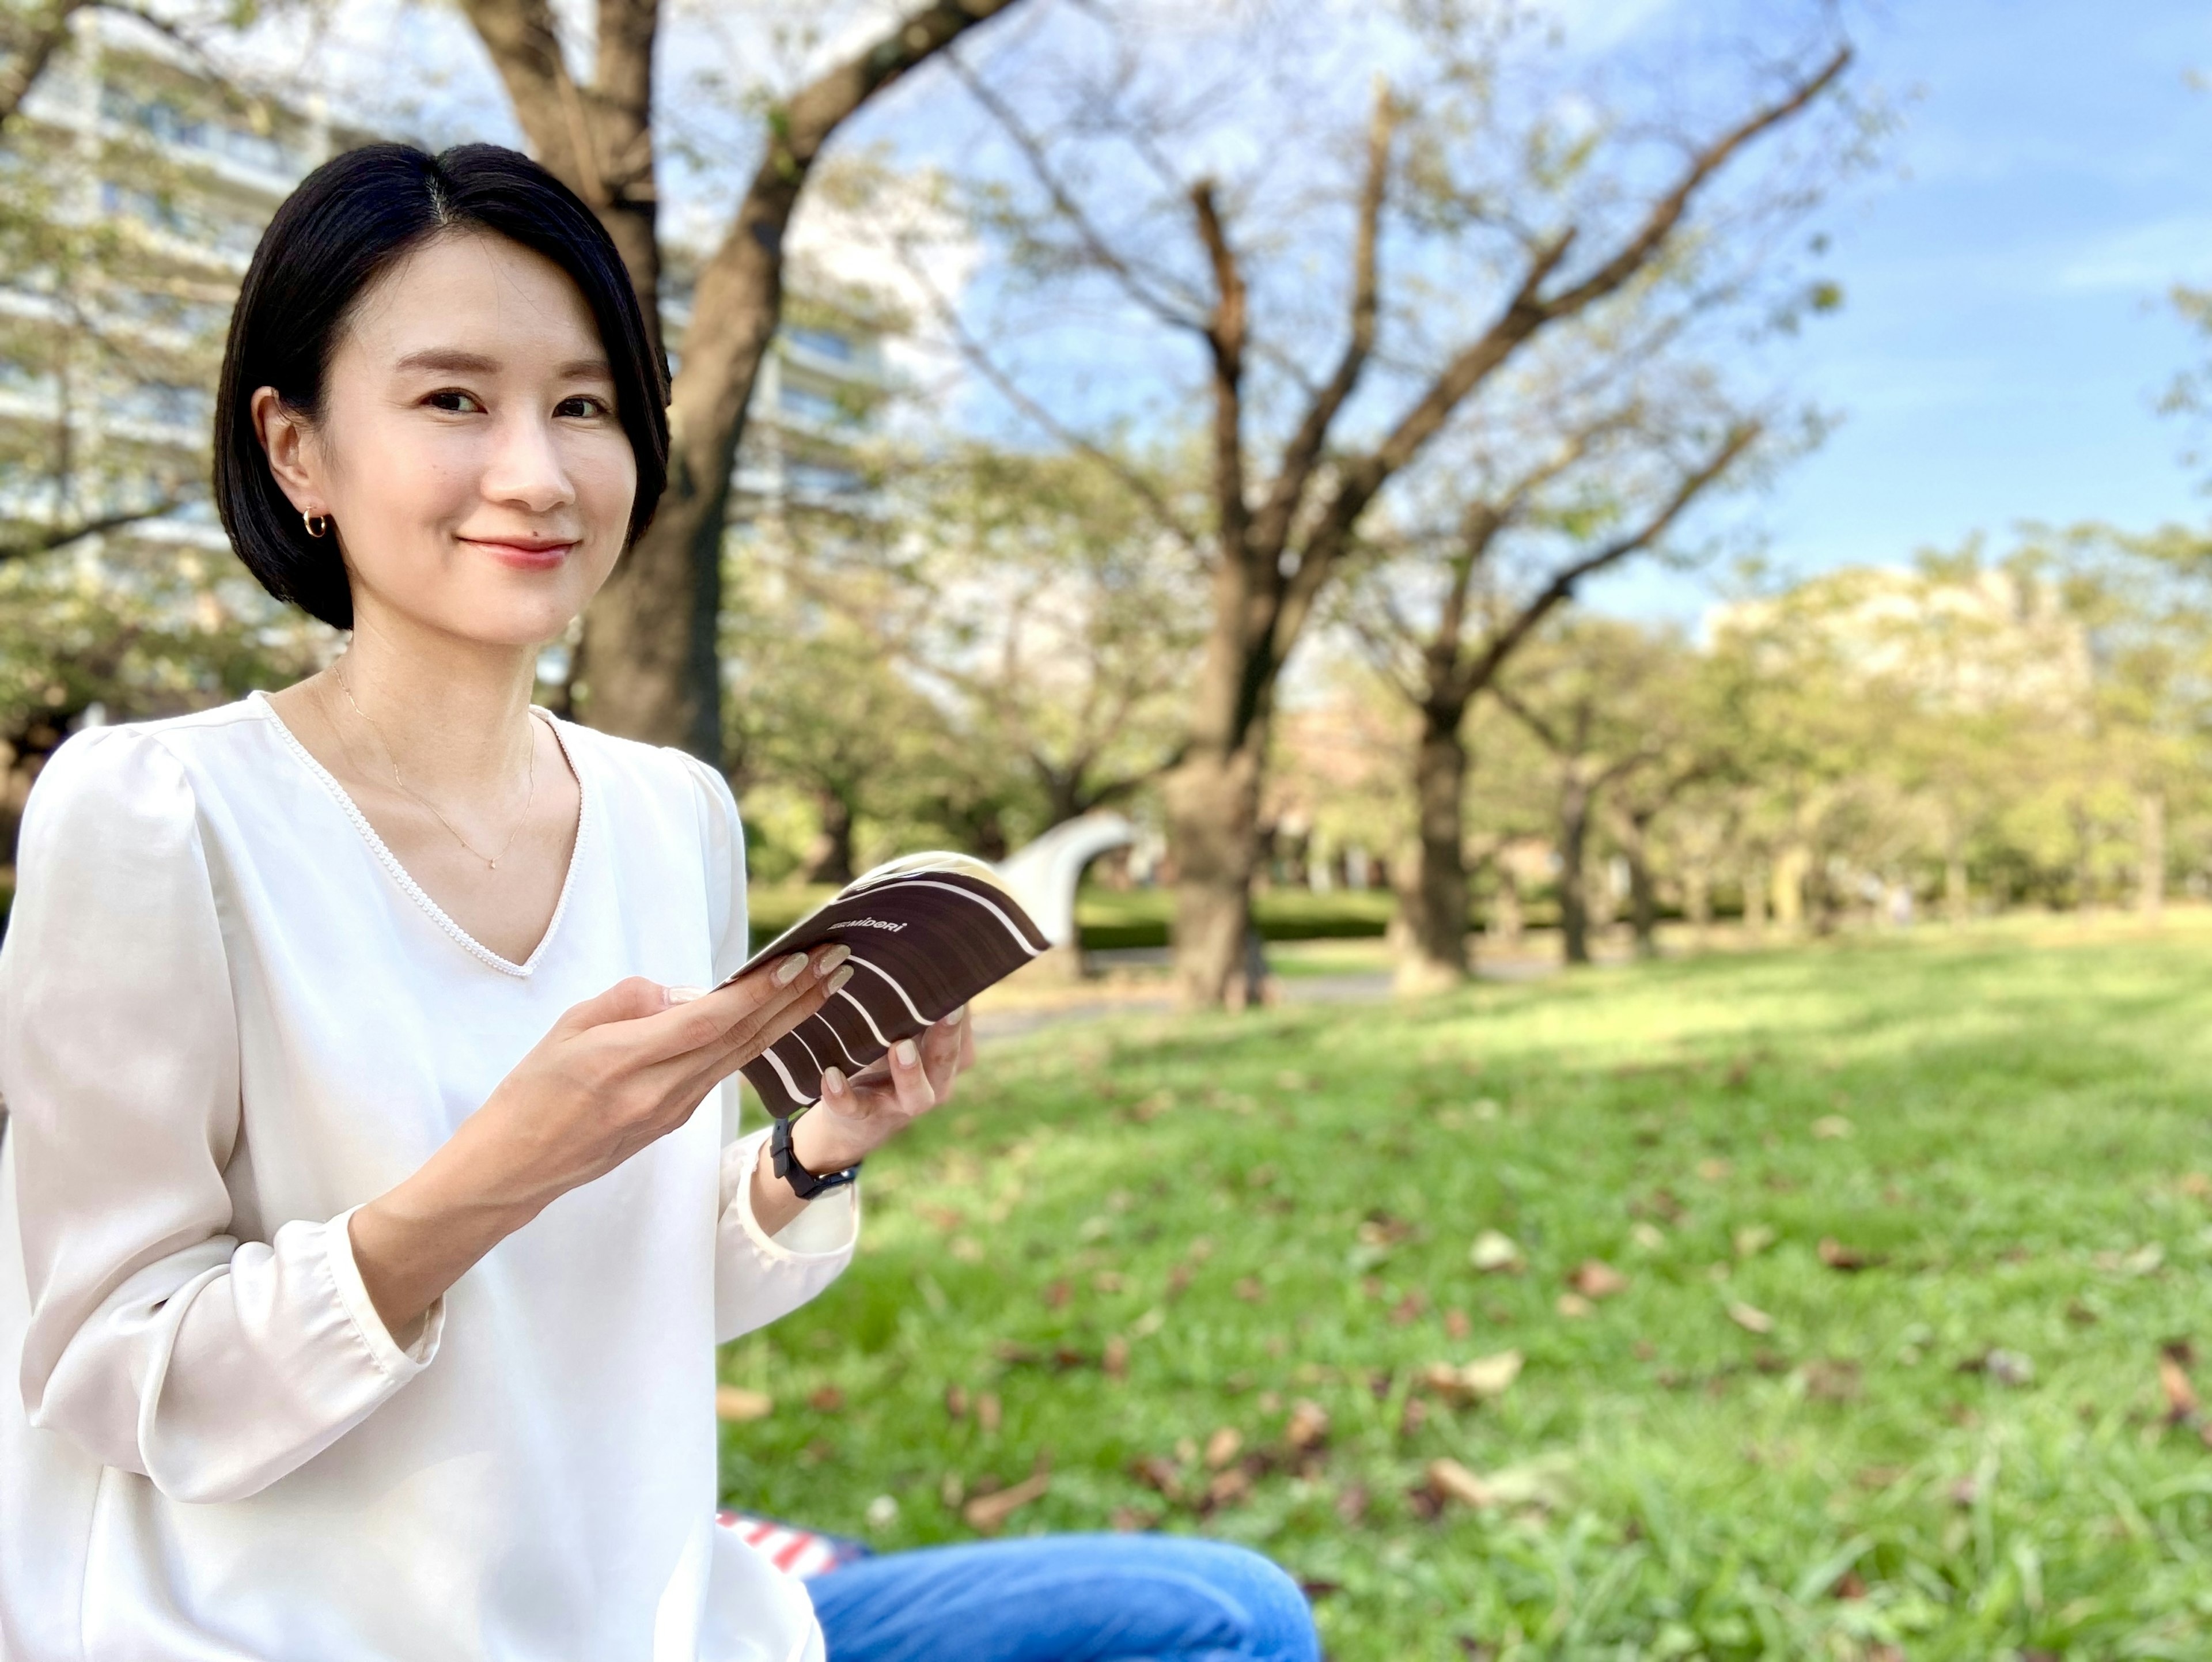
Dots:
pixel 1162 199
pixel 1444 622
pixel 648 667
pixel 1054 614
pixel 1596 694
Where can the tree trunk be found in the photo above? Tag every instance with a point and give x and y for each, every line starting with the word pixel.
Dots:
pixel 1791 868
pixel 1213 819
pixel 1432 893
pixel 2150 832
pixel 1698 902
pixel 1635 835
pixel 2084 862
pixel 1574 895
pixel 1958 896
pixel 1754 899
pixel 830 859
pixel 1507 921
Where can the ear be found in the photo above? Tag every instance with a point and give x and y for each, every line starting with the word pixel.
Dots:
pixel 289 442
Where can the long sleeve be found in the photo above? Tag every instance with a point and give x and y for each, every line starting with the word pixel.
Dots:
pixel 757 1276
pixel 158 1341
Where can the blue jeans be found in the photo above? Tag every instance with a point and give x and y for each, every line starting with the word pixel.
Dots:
pixel 1066 1598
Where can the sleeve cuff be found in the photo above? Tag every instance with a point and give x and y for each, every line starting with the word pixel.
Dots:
pixel 398 1363
pixel 828 1227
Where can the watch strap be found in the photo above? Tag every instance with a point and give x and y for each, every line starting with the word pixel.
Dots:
pixel 804 1183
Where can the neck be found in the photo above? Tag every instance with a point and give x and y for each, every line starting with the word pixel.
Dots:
pixel 455 713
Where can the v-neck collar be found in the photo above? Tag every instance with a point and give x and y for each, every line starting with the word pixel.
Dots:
pixel 438 915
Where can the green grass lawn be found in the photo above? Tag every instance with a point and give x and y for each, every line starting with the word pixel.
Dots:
pixel 1246 1214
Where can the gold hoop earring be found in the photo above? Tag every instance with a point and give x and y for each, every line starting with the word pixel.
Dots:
pixel 319 525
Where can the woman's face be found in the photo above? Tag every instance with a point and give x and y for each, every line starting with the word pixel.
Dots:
pixel 468 451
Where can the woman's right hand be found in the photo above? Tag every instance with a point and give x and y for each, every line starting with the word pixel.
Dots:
pixel 615 1074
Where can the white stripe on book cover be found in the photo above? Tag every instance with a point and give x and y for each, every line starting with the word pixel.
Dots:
pixel 846 993
pixel 1020 940
pixel 830 1027
pixel 784 1073
pixel 799 1034
pixel 896 988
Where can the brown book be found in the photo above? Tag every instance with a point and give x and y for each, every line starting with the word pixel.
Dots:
pixel 928 931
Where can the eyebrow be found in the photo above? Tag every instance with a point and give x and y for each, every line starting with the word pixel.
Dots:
pixel 450 361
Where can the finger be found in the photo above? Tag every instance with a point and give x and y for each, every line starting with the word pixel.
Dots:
pixel 940 1054
pixel 630 1000
pixel 910 1080
pixel 710 1063
pixel 735 1012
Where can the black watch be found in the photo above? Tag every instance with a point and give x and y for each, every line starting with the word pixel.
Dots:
pixel 804 1183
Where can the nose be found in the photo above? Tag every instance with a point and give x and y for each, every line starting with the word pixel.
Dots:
pixel 525 470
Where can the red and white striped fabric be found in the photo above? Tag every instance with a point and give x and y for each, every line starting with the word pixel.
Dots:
pixel 797 1552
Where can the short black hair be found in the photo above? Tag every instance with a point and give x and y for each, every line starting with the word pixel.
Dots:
pixel 343 227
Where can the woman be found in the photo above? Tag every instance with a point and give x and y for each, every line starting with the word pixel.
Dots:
pixel 367 1224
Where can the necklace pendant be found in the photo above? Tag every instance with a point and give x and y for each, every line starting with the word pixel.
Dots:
pixel 494 864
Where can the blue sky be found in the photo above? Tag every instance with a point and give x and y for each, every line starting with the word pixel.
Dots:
pixel 2007 334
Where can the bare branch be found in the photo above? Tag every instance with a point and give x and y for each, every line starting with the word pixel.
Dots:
pixel 1225 338
pixel 1095 245
pixel 27 61
pixel 1483 671
pixel 1302 452
pixel 1666 213
pixel 59 536
pixel 974 353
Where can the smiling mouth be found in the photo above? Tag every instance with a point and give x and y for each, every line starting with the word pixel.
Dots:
pixel 530 555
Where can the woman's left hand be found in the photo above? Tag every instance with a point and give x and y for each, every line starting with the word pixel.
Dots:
pixel 858 1116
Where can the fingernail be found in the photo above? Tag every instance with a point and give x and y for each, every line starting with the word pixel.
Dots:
pixel 906 1054
pixel 830 959
pixel 833 1082
pixel 841 977
pixel 787 971
pixel 954 1017
pixel 684 995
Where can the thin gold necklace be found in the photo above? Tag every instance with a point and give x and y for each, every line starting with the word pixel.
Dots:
pixel 392 755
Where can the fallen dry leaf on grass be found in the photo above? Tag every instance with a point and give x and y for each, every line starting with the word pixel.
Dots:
pixel 1593 1278
pixel 1496 1253
pixel 2174 1360
pixel 1454 1481
pixel 1481 1380
pixel 1228 1487
pixel 987 1513
pixel 987 1411
pixel 1221 1447
pixel 1837 1256
pixel 827 1399
pixel 1753 1239
pixel 1543 1482
pixel 1751 1320
pixel 1115 1360
pixel 1648 1237
pixel 1248 1288
pixel 1108 1281
pixel 1308 1427
pixel 1574 1306
pixel 1409 1309
pixel 956 1401
pixel 735 1404
pixel 2197 1185
pixel 1830 1127
pixel 1712 1170
pixel 1457 1324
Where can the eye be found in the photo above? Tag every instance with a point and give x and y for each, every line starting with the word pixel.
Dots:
pixel 456 402
pixel 585 406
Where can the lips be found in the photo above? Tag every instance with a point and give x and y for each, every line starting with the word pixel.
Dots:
pixel 523 556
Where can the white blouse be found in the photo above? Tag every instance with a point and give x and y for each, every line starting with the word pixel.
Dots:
pixel 228 1017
